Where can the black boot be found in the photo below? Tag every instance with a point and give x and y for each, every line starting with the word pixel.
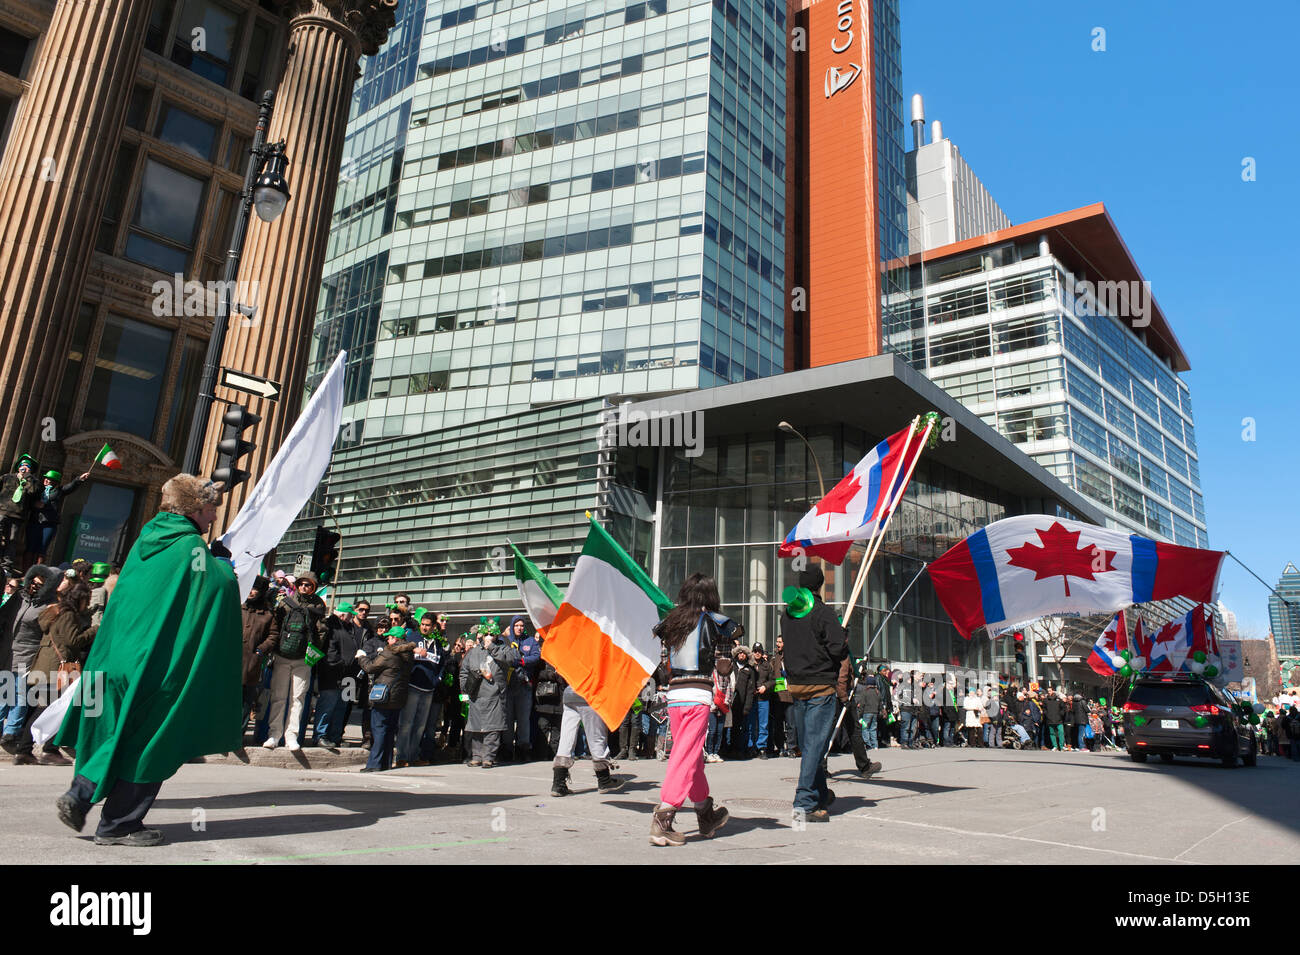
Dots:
pixel 560 785
pixel 524 754
pixel 605 783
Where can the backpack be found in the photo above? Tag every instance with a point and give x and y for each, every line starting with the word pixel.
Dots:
pixel 298 629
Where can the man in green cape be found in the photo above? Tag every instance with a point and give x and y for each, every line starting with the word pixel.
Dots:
pixel 162 682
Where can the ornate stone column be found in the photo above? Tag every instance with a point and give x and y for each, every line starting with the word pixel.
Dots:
pixel 53 181
pixel 283 260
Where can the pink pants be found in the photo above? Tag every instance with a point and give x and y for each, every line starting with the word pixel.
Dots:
pixel 685 777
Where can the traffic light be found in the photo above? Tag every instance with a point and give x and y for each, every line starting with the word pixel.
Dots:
pixel 232 446
pixel 324 555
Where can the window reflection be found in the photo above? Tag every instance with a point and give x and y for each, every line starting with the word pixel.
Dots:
pixel 127 382
pixel 162 232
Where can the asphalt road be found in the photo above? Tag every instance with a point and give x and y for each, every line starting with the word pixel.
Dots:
pixel 929 806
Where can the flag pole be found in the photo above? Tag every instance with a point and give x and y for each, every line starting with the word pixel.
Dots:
pixel 878 538
pixel 875 531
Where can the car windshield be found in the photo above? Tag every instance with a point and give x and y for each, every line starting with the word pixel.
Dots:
pixel 1170 694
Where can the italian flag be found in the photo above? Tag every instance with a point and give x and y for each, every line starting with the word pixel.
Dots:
pixel 602 639
pixel 107 458
pixel 541 597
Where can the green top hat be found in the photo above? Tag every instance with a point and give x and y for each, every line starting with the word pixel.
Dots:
pixel 99 572
pixel 395 632
pixel 345 607
pixel 418 613
pixel 798 601
pixel 54 475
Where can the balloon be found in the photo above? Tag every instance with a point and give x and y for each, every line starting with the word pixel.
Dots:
pixel 1126 670
pixel 1211 671
pixel 1102 701
pixel 1258 708
pixel 1196 667
pixel 1138 663
pixel 1254 719
pixel 1199 656
pixel 1126 654
pixel 1116 660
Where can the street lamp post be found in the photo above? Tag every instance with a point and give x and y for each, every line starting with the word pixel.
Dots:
pixel 786 426
pixel 266 192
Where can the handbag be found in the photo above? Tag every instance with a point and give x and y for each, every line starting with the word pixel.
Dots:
pixel 68 674
pixel 379 693
pixel 1088 733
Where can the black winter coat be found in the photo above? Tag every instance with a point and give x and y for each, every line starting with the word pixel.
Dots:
pixel 743 698
pixel 1053 711
pixel 814 645
pixel 392 668
pixel 45 512
pixel 1080 713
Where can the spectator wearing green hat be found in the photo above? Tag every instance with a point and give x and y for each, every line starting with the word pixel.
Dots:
pixel 390 673
pixel 18 491
pixel 483 675
pixel 102 580
pixel 46 510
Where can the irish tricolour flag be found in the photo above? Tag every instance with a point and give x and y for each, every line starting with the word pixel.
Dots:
pixel 107 458
pixel 602 638
pixel 541 597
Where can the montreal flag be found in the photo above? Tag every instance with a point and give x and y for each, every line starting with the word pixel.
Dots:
pixel 862 500
pixel 1022 568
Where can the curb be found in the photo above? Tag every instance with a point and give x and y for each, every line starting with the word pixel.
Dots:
pixel 309 757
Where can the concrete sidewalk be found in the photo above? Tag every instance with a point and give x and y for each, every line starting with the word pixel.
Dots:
pixel 926 806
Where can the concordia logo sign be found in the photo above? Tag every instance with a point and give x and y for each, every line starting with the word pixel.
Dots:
pixel 837 80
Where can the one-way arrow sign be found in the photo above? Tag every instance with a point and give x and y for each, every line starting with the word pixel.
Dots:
pixel 254 385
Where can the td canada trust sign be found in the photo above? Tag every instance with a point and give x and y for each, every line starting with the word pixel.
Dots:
pixel 843 250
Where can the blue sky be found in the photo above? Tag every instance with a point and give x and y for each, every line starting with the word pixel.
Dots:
pixel 1157 127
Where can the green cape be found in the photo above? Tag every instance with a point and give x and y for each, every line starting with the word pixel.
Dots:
pixel 166 664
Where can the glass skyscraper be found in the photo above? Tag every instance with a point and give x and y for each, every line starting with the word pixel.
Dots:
pixel 543 204
pixel 1284 612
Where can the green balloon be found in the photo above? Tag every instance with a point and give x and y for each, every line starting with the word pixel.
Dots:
pixel 1199 656
pixel 1126 654
pixel 1102 701
pixel 1126 670
pixel 1254 719
pixel 1211 671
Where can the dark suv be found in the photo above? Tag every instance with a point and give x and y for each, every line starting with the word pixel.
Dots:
pixel 1181 715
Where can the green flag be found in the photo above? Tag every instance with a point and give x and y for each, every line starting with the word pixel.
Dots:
pixel 541 597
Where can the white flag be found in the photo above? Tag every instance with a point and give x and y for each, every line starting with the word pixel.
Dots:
pixel 289 480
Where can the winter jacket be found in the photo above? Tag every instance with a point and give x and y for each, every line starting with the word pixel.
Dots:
pixel 426 674
pixel 744 687
pixel 27 635
pixel 67 639
pixel 297 611
pixel 814 646
pixel 49 502
pixel 778 671
pixel 550 704
pixel 20 509
pixel 524 673
pixel 764 678
pixel 392 667
pixel 1054 711
pixel 971 704
pixel 867 697
pixel 844 679
pixel 487 705
pixel 257 631
pixel 1028 713
pixel 1080 713
pixel 341 641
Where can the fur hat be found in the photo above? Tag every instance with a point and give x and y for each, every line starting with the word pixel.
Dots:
pixel 186 494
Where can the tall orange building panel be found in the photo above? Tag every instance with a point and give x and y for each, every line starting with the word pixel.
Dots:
pixel 834 178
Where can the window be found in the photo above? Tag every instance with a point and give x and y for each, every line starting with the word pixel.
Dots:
pixel 206 40
pixel 185 131
pixel 126 384
pixel 118 187
pixel 1088 435
pixel 73 365
pixel 257 64
pixel 166 215
pixel 13 52
pixel 220 236
pixel 187 389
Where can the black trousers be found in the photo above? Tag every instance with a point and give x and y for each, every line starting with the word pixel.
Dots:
pixel 124 809
pixel 860 753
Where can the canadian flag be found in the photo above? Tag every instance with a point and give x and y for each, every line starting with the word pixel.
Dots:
pixel 1036 565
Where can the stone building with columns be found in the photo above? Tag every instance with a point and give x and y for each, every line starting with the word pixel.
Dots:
pixel 124 131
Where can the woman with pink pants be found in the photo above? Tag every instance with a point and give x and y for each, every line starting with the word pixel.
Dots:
pixel 693 633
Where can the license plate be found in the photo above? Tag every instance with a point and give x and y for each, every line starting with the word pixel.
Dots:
pixel 1169 724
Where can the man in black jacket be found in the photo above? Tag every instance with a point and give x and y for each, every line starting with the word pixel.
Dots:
pixel 815 643
pixel 1054 717
pixel 742 702
pixel 1080 720
pixel 46 512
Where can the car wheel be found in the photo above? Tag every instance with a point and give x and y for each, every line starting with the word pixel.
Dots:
pixel 1166 757
pixel 1138 757
pixel 1250 758
pixel 1230 761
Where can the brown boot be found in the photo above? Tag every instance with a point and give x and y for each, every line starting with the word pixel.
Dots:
pixel 661 830
pixel 711 818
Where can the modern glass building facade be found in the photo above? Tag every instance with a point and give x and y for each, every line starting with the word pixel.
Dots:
pixel 546 203
pixel 1284 617
pixel 998 322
